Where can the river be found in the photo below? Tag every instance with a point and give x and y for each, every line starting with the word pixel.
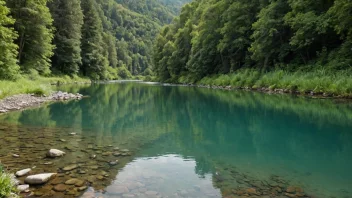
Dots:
pixel 184 142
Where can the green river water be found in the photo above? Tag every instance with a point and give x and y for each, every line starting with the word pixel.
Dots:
pixel 184 142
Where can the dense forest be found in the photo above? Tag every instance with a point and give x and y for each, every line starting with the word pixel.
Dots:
pixel 212 37
pixel 100 39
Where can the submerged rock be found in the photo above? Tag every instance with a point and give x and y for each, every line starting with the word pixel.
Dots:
pixel 70 167
pixel 15 155
pixel 75 182
pixel 117 154
pixel 114 163
pixel 60 188
pixel 23 172
pixel 82 188
pixel 23 188
pixel 55 153
pixel 39 178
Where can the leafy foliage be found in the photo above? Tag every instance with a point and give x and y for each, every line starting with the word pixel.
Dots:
pixel 7 186
pixel 34 27
pixel 96 38
pixel 220 37
pixel 8 49
pixel 68 21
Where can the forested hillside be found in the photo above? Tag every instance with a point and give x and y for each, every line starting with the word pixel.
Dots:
pixel 212 37
pixel 100 39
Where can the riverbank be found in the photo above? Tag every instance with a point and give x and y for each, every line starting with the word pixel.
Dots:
pixel 23 101
pixel 319 84
pixel 35 84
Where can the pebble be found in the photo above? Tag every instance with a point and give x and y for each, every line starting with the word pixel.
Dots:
pixel 117 154
pixel 55 153
pixel 75 182
pixel 23 172
pixel 15 155
pixel 70 167
pixel 39 178
pixel 60 188
pixel 23 188
pixel 113 163
pixel 82 188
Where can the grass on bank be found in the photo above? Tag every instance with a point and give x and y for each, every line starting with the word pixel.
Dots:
pixel 36 84
pixel 7 186
pixel 319 81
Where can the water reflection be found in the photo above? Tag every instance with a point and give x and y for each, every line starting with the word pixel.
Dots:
pixel 162 176
pixel 308 143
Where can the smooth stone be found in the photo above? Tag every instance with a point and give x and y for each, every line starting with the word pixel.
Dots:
pixel 73 133
pixel 82 172
pixel 91 179
pixel 94 167
pixel 70 167
pixel 62 140
pixel 15 155
pixel 100 177
pixel 23 172
pixel 23 188
pixel 93 156
pixel 39 178
pixel 82 188
pixel 72 181
pixel 125 150
pixel 117 154
pixel 55 153
pixel 76 182
pixel 106 154
pixel 116 149
pixel 48 163
pixel 60 188
pixel 71 192
pixel 114 163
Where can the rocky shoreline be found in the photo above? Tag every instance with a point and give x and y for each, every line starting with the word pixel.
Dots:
pixel 23 101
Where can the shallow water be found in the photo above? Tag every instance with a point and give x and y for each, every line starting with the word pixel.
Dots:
pixel 185 142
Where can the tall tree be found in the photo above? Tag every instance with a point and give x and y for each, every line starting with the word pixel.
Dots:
pixel 68 20
pixel 34 26
pixel 8 50
pixel 94 63
pixel 271 35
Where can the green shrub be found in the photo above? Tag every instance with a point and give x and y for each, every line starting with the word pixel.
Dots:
pixel 7 186
pixel 124 73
